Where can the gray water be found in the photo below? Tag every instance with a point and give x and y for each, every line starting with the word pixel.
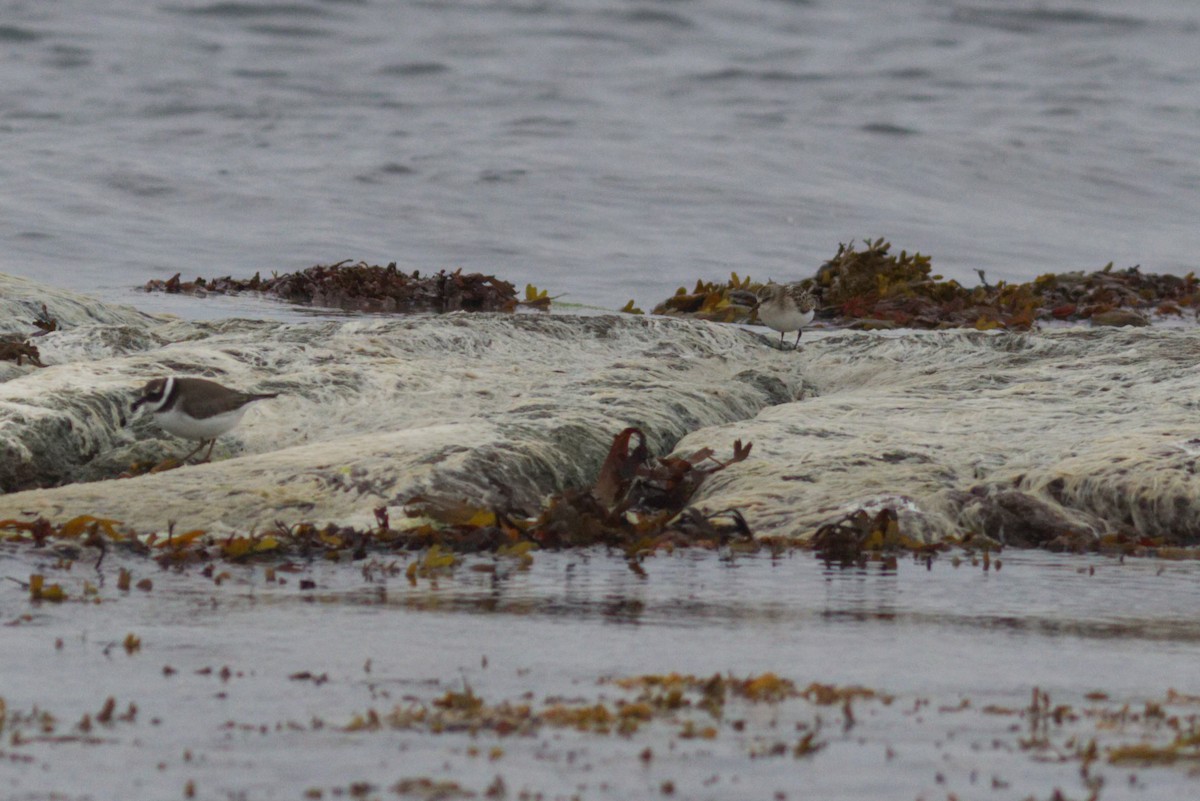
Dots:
pixel 245 684
pixel 612 150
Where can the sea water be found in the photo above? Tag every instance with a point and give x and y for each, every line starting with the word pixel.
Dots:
pixel 608 150
pixel 239 683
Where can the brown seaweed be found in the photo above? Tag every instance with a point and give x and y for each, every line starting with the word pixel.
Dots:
pixel 369 288
pixel 871 287
pixel 638 503
pixel 856 538
pixel 44 322
pixel 20 351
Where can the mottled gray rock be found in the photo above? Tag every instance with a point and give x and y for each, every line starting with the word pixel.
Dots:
pixel 1119 317
pixel 1052 439
pixel 498 408
pixel 1069 434
pixel 21 302
pixel 1014 517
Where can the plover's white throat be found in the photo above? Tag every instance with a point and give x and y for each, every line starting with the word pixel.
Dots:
pixel 786 307
pixel 195 408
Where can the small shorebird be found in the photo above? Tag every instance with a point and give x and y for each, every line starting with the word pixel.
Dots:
pixel 786 307
pixel 195 408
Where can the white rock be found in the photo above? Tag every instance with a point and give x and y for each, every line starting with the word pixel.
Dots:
pixel 1093 424
pixel 21 303
pixel 1020 437
pixel 500 409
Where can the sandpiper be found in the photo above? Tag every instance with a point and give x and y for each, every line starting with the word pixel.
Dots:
pixel 786 307
pixel 196 408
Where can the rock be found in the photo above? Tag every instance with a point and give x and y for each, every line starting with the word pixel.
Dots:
pixel 496 408
pixel 872 324
pixel 916 419
pixel 1119 317
pixel 1017 518
pixel 22 300
pixel 1034 439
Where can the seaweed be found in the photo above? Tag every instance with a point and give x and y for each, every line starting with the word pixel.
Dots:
pixel 859 536
pixel 44 322
pixel 869 287
pixel 731 302
pixel 639 503
pixel 674 699
pixel 19 351
pixel 365 287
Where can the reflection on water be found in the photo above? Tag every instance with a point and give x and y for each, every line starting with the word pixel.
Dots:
pixel 1032 593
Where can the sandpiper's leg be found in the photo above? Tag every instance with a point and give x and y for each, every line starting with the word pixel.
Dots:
pixel 193 453
pixel 798 333
pixel 781 339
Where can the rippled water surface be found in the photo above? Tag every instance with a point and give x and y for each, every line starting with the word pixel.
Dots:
pixel 612 150
pixel 247 687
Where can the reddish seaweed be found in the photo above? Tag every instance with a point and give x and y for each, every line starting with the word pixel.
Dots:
pixel 20 351
pixel 368 288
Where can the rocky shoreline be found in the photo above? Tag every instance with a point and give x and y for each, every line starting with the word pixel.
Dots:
pixel 1069 439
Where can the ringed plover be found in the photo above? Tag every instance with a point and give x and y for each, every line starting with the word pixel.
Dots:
pixel 196 408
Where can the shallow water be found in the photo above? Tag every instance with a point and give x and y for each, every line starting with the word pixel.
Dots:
pixel 958 649
pixel 612 150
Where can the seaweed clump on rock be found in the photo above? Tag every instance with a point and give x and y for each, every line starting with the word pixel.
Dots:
pixel 363 287
pixel 638 504
pixel 19 349
pixel 731 302
pixel 874 288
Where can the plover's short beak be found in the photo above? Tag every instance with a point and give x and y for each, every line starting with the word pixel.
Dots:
pixel 137 403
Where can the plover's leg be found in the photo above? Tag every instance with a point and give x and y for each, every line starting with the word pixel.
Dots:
pixel 193 453
pixel 798 333
pixel 208 455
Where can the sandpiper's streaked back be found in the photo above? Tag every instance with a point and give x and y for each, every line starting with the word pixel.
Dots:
pixel 786 307
pixel 196 408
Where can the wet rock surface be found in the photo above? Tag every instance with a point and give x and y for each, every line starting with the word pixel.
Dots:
pixel 1068 439
pixel 24 302
pixel 499 409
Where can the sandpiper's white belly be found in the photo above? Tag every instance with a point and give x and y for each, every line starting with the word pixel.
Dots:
pixel 182 425
pixel 784 320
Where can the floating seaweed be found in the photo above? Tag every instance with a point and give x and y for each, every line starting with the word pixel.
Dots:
pixel 692 705
pixel 370 288
pixel 871 287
